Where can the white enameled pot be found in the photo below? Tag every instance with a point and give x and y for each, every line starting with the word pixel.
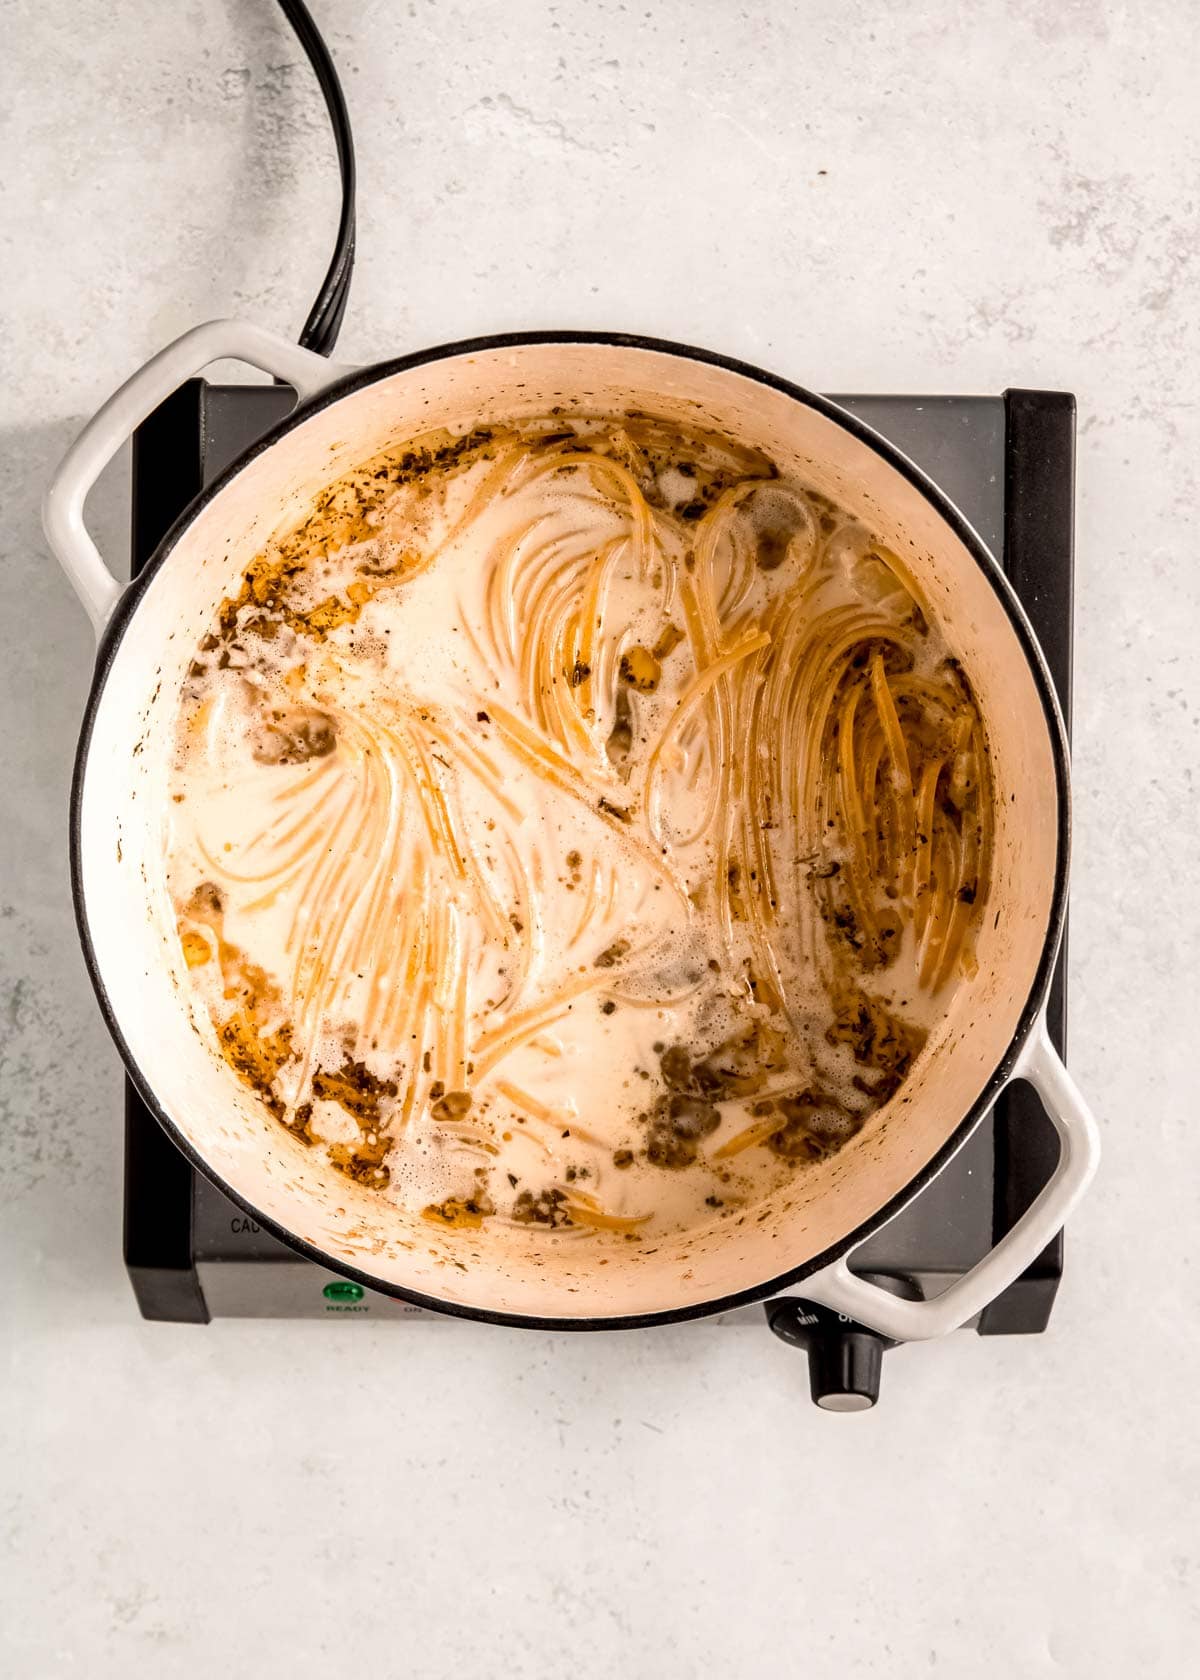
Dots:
pixel 995 1029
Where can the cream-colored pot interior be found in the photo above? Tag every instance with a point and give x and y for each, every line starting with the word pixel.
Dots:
pixel 137 953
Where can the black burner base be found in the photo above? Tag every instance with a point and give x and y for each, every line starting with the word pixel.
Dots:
pixel 1008 463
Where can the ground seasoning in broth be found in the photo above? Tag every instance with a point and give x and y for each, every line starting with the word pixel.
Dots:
pixel 576 825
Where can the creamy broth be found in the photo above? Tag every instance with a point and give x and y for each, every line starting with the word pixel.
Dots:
pixel 576 825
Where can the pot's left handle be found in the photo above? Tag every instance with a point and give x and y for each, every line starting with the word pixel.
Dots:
pixel 107 430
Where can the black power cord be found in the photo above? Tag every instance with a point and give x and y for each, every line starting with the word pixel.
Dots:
pixel 325 317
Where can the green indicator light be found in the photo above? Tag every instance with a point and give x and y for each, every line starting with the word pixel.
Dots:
pixel 343 1292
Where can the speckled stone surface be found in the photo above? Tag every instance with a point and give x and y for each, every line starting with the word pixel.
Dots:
pixel 931 196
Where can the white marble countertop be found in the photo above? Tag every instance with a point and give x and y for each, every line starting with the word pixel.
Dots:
pixel 950 197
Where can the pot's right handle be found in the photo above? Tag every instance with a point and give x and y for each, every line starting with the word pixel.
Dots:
pixel 107 430
pixel 838 1287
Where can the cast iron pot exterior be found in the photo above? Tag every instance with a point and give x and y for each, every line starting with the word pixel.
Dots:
pixel 480 379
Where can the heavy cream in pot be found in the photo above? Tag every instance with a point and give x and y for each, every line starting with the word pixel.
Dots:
pixel 576 825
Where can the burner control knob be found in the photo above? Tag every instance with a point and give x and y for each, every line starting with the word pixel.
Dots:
pixel 845 1359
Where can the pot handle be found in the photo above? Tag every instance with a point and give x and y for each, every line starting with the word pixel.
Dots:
pixel 836 1286
pixel 107 430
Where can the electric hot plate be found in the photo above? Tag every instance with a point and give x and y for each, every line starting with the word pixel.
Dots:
pixel 1008 463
